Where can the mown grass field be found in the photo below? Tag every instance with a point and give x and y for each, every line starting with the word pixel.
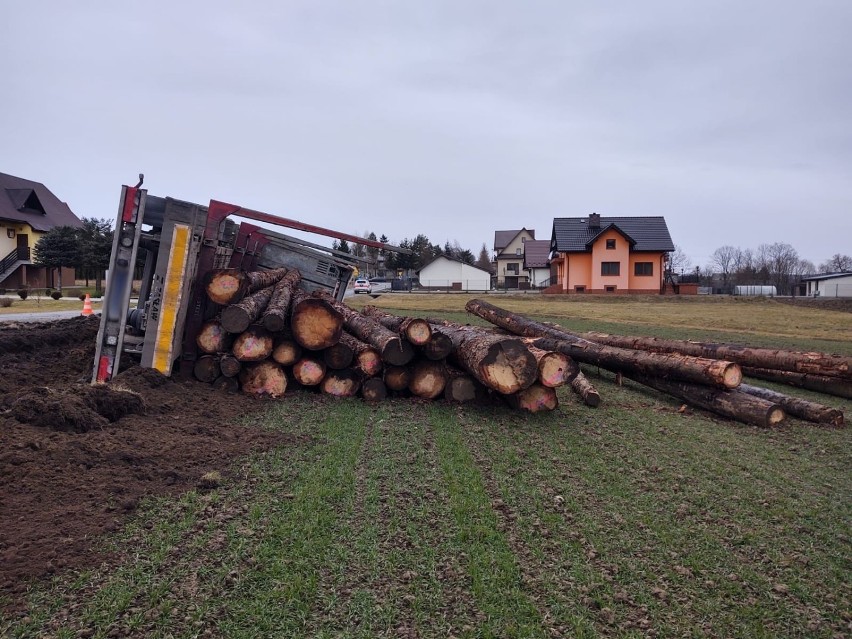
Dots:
pixel 412 519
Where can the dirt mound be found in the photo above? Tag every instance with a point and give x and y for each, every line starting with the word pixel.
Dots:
pixel 75 460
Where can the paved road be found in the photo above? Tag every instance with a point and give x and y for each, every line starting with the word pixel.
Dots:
pixel 48 316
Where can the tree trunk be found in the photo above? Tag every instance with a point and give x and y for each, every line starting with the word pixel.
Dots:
pixel 373 389
pixel 343 383
pixel 230 366
pixel 461 387
pixel 253 345
pixel 206 368
pixel 316 324
pixel 278 310
pixel 397 377
pixel 728 403
pixel 238 317
pixel 501 363
pixel 554 368
pixel 583 387
pixel 534 399
pixel 263 379
pixel 339 356
pixel 393 349
pixel 415 330
pixel 367 359
pixel 818 383
pixel 712 372
pixel 230 285
pixel 428 379
pixel 226 384
pixel 794 361
pixel 286 352
pixel 212 338
pixel 309 370
pixel 809 411
pixel 438 347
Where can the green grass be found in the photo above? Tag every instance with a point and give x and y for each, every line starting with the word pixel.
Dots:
pixel 422 519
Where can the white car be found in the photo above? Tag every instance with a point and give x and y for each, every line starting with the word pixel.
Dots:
pixel 363 286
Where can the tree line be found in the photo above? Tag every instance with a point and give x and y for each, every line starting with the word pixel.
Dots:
pixel 86 248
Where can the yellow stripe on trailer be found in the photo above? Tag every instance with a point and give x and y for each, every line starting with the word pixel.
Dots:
pixel 171 298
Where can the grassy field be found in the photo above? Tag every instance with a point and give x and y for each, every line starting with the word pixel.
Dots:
pixel 414 519
pixel 41 305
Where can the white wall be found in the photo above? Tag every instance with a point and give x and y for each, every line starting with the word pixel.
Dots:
pixel 834 287
pixel 444 273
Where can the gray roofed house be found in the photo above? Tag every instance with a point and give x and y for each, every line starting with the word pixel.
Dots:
pixel 509 257
pixel 537 254
pixel 502 239
pixel 579 233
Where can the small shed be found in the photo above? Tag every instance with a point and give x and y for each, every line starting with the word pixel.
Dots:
pixel 449 273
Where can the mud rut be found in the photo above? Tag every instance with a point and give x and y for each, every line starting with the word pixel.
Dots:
pixel 75 461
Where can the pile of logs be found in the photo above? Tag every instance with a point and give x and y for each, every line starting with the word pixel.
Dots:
pixel 271 335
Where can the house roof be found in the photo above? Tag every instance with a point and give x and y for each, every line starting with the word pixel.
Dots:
pixel 826 276
pixel 536 253
pixel 32 203
pixel 451 259
pixel 502 239
pixel 648 233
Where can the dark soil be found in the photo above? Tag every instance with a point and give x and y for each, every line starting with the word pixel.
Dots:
pixel 824 303
pixel 76 460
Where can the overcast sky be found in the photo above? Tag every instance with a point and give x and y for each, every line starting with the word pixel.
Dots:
pixel 733 119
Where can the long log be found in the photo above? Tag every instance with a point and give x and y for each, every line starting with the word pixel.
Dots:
pixel 339 356
pixel 819 383
pixel 396 378
pixel 344 383
pixel 393 349
pixel 428 379
pixel 534 399
pixel 253 344
pixel 212 338
pixel 584 388
pixel 286 352
pixel 373 389
pixel 554 368
pixel 263 379
pixel 712 372
pixel 277 313
pixel 733 404
pixel 439 345
pixel 206 368
pixel 415 330
pixel 238 317
pixel 461 387
pixel 367 359
pixel 500 362
pixel 309 370
pixel 230 285
pixel 316 324
pixel 807 410
pixel 230 366
pixel 813 363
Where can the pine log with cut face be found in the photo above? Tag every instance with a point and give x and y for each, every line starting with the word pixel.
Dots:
pixel 230 366
pixel 314 321
pixel 461 387
pixel 802 408
pixel 397 377
pixel 309 370
pixel 367 359
pixel 534 399
pixel 212 338
pixel 277 314
pixel 584 388
pixel 226 384
pixel 415 330
pixel 206 368
pixel 342 383
pixel 286 352
pixel 253 344
pixel 439 345
pixel 230 285
pixel 339 356
pixel 713 372
pixel 428 379
pixel 554 368
pixel 393 349
pixel 373 389
pixel 819 383
pixel 238 317
pixel 263 379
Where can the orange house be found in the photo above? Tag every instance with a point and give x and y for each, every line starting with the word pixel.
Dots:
pixel 609 254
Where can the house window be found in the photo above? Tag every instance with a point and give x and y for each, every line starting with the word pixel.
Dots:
pixel 10 233
pixel 609 289
pixel 523 239
pixel 579 289
pixel 512 268
pixel 610 244
pixel 643 268
pixel 610 268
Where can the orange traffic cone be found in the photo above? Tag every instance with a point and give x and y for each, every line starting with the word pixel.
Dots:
pixel 87 306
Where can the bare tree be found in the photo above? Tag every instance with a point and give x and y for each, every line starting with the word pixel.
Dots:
pixel 722 261
pixel 836 264
pixel 679 262
pixel 780 260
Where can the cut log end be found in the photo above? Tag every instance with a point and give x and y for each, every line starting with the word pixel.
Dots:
pixel 253 345
pixel 428 379
pixel 226 285
pixel 264 379
pixel 397 377
pixel 553 369
pixel 338 356
pixel 732 376
pixel 461 389
pixel 534 399
pixel 775 416
pixel 316 325
pixel 309 371
pixel 369 362
pixel 438 347
pixel 417 331
pixel 508 367
pixel 374 390
pixel 343 383
pixel 397 352
pixel 286 352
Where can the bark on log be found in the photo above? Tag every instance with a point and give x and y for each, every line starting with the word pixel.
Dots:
pixel 212 338
pixel 343 383
pixel 230 285
pixel 277 314
pixel 699 370
pixel 461 387
pixel 733 404
pixel 252 345
pixel 226 384
pixel 286 352
pixel 393 349
pixel 373 389
pixel 438 347
pixel 230 366
pixel 309 370
pixel 206 368
pixel 501 363
pixel 238 317
pixel 818 383
pixel 807 410
pixel 812 363
pixel 316 324
pixel 534 399
pixel 339 356
pixel 584 388
pixel 367 359
pixel 554 368
pixel 428 379
pixel 415 330
pixel 397 377
pixel 263 379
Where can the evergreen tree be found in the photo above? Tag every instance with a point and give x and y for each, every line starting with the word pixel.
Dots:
pixel 94 241
pixel 484 260
pixel 58 248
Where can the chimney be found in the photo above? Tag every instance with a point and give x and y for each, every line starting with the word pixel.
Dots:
pixel 594 221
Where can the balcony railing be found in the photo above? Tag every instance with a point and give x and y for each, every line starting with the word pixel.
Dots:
pixel 22 253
